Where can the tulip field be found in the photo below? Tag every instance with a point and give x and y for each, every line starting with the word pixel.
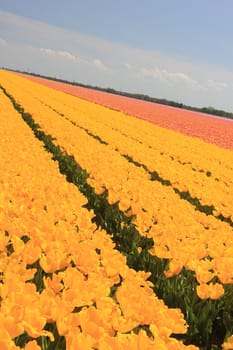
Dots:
pixel 116 223
pixel 206 127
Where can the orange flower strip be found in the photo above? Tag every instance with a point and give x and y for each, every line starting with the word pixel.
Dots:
pixel 172 223
pixel 57 267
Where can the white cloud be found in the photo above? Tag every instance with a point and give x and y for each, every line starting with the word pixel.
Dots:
pixel 99 64
pixel 67 55
pixel 170 78
pixel 155 73
pixel 64 54
pixel 49 52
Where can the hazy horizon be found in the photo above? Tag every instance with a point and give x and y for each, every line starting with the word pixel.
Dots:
pixel 179 51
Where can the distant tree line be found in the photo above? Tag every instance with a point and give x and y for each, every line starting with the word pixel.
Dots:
pixel 163 101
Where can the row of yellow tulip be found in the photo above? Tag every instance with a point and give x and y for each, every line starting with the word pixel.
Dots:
pixel 173 223
pixel 53 260
pixel 204 170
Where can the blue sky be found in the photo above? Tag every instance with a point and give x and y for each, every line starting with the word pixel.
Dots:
pixel 175 49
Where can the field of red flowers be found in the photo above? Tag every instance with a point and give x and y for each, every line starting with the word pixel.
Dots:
pixel 209 128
